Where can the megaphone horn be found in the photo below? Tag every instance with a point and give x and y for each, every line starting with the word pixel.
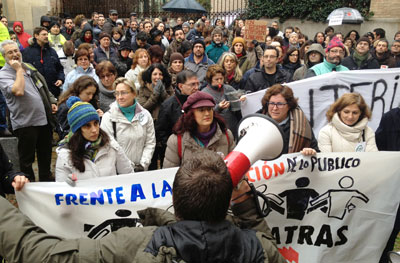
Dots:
pixel 260 138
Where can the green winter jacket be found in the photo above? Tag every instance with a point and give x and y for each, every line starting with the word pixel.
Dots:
pixel 22 241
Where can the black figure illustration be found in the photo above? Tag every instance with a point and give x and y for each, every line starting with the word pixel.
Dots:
pixel 335 199
pixel 297 200
pixel 111 225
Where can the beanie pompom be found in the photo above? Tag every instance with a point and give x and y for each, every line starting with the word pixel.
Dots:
pixel 72 100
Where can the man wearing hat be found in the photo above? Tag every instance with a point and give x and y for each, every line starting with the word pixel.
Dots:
pixel 104 51
pixel 361 58
pixel 217 47
pixel 186 28
pixel 198 61
pixel 111 21
pixel 333 59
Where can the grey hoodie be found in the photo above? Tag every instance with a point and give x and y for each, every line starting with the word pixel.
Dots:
pixel 301 72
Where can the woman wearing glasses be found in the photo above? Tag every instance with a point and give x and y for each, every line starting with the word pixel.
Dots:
pixel 280 104
pixel 107 74
pixel 130 124
pixel 291 61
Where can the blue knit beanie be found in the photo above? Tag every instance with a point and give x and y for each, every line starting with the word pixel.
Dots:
pixel 80 113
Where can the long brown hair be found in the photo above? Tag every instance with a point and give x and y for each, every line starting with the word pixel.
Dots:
pixel 79 85
pixel 76 145
pixel 348 99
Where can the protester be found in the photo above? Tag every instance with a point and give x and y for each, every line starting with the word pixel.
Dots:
pixel 227 99
pixel 107 75
pixel 387 134
pixel 199 127
pixel 382 54
pixel 68 28
pixel 86 36
pixel 82 60
pixel 332 61
pixel 280 104
pixel 141 60
pixel 217 47
pixel 200 209
pixel 314 55
pixel 361 58
pixel 22 36
pixel 131 125
pixel 31 108
pixel 45 60
pixel 239 48
pixel 347 130
pixel 88 152
pixel 291 61
pixel 56 39
pixel 175 66
pixel 269 74
pixel 104 51
pixel 233 74
pixel 175 45
pixel 198 61
pixel 66 56
pixel 87 90
pixel 154 89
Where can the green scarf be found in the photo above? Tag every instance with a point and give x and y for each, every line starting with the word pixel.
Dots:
pixel 359 58
pixel 129 112
pixel 92 148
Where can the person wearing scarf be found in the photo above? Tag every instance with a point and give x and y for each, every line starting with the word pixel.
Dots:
pixel 131 125
pixel 199 127
pixel 87 151
pixel 361 58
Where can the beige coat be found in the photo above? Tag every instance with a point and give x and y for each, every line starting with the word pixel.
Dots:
pixel 218 143
pixel 151 101
pixel 338 137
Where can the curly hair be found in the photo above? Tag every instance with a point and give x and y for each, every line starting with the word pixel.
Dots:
pixel 146 75
pixel 348 99
pixel 214 70
pixel 276 89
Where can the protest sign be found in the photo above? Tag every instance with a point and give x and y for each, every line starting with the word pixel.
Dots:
pixel 255 30
pixel 336 207
pixel 378 87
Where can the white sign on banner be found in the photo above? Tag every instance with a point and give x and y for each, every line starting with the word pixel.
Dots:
pixel 336 207
pixel 336 19
pixel 378 87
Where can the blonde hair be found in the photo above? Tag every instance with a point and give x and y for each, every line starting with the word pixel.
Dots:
pixel 126 82
pixel 238 72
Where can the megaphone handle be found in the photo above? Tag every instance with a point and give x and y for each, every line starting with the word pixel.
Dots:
pixel 238 164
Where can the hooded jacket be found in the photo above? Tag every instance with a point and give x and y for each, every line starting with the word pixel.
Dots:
pixel 82 40
pixel 301 72
pixel 22 36
pixel 136 137
pixel 45 19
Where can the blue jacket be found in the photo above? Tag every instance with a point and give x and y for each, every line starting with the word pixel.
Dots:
pixel 46 61
pixel 194 34
pixel 76 73
pixel 215 51
pixel 100 55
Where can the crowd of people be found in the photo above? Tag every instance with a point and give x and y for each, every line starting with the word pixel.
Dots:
pixel 137 94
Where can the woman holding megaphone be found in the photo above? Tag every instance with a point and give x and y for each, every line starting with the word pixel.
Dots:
pixel 199 127
pixel 280 104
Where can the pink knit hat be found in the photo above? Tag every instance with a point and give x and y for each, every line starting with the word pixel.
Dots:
pixel 335 42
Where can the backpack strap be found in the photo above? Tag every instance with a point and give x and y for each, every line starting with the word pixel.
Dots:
pixel 114 124
pixel 180 146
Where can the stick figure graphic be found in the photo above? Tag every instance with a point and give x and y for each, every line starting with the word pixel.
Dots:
pixel 335 199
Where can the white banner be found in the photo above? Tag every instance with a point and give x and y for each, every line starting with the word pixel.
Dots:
pixel 378 87
pixel 336 207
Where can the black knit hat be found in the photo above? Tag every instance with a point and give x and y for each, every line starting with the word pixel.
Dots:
pixel 125 45
pixel 199 41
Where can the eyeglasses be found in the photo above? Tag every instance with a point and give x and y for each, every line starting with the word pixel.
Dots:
pixel 279 105
pixel 109 75
pixel 121 93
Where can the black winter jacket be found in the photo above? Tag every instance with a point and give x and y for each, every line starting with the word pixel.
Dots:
pixel 387 135
pixel 46 61
pixel 7 174
pixel 258 80
pixel 369 63
pixel 170 112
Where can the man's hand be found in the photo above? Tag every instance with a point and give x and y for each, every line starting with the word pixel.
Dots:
pixel 15 64
pixel 224 104
pixel 54 108
pixel 239 195
pixel 19 182
pixel 58 83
